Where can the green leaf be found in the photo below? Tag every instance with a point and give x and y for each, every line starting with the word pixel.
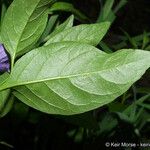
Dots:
pixel 106 13
pixel 23 24
pixel 130 113
pixel 69 78
pixel 5 102
pixel 50 25
pixel 105 47
pixel 145 40
pixel 3 78
pixel 105 127
pixel 120 5
pixel 66 25
pixel 3 11
pixel 90 34
pixel 3 98
pixel 138 102
pixel 146 106
pixel 68 7
pixel 107 8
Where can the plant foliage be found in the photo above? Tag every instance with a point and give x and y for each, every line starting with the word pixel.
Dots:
pixel 67 74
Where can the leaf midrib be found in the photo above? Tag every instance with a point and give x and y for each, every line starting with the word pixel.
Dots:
pixel 59 77
pixel 15 50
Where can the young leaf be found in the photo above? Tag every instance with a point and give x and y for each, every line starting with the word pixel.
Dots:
pixel 90 34
pixel 23 24
pixel 72 78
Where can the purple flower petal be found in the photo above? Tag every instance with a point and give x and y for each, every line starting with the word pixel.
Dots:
pixel 4 60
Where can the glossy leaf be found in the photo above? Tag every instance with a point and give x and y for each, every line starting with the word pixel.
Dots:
pixel 69 78
pixel 23 25
pixel 90 34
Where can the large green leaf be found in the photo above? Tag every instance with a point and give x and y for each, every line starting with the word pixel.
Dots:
pixel 23 24
pixel 90 34
pixel 69 78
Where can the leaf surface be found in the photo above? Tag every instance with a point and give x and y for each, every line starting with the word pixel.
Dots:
pixel 66 25
pixel 90 34
pixel 23 24
pixel 70 78
pixel 5 103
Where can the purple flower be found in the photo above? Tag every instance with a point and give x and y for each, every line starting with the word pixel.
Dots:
pixel 4 60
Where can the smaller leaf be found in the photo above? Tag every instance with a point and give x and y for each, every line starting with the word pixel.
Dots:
pixel 49 28
pixel 145 40
pixel 107 8
pixel 105 127
pixel 132 113
pixel 90 34
pixel 146 106
pixel 106 13
pixel 23 24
